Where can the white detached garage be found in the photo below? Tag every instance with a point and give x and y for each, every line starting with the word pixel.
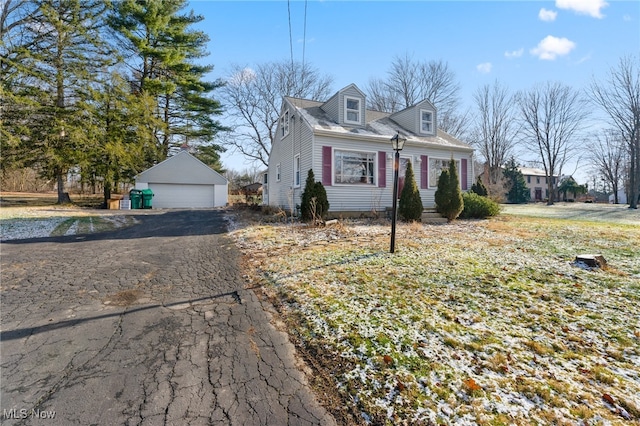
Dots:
pixel 183 181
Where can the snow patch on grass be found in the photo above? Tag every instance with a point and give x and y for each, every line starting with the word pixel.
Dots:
pixel 479 322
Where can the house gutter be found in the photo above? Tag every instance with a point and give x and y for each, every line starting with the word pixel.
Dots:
pixel 378 139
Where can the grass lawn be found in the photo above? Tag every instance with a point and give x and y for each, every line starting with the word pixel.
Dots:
pixel 474 322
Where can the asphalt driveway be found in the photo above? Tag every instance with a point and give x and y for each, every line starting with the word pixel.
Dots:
pixel 146 325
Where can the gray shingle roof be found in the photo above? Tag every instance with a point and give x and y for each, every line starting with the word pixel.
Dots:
pixel 377 123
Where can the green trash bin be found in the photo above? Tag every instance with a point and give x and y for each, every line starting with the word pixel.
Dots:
pixel 147 195
pixel 135 195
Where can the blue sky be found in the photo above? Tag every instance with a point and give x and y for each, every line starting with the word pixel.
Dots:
pixel 519 43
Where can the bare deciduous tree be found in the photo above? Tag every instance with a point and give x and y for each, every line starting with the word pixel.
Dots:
pixel 552 116
pixel 254 97
pixel 606 154
pixel 409 82
pixel 619 97
pixel 495 129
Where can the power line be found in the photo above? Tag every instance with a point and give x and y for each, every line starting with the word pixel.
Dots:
pixel 304 36
pixel 290 36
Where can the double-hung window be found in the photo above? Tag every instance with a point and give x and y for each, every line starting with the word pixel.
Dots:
pixel 353 167
pixel 352 110
pixel 296 171
pixel 426 121
pixel 284 124
pixel 277 172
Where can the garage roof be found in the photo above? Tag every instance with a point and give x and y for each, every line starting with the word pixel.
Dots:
pixel 182 168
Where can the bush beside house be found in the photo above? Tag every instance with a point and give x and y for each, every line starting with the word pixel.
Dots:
pixel 314 204
pixel 410 206
pixel 448 196
pixel 478 207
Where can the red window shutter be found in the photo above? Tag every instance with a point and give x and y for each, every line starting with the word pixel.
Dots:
pixel 424 172
pixel 326 165
pixel 382 169
pixel 463 173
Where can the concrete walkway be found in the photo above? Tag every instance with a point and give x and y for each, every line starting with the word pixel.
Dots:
pixel 148 325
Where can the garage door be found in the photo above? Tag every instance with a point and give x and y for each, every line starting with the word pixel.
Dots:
pixel 167 195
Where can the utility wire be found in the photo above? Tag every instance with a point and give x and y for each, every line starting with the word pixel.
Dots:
pixel 290 36
pixel 304 36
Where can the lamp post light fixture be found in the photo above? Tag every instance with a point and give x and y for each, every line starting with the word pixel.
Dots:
pixel 397 143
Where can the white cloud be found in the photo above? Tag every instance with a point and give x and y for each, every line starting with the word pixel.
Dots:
pixel 584 7
pixel 484 68
pixel 547 15
pixel 551 47
pixel 514 53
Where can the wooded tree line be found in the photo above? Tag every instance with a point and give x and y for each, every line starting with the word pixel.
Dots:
pixel 104 89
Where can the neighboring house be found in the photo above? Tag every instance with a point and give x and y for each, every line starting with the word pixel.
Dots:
pixel 183 181
pixel 536 180
pixel 622 197
pixel 349 150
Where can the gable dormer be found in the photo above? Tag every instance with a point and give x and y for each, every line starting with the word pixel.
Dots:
pixel 347 107
pixel 419 118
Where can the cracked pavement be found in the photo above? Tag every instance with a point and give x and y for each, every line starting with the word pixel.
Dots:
pixel 147 325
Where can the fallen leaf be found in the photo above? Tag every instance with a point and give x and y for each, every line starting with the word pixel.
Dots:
pixel 387 360
pixel 608 399
pixel 401 385
pixel 472 385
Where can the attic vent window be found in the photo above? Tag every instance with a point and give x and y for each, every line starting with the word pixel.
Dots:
pixel 426 121
pixel 352 110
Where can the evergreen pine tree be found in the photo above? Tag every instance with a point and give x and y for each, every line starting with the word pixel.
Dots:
pixel 164 62
pixel 479 188
pixel 517 191
pixel 60 52
pixel 410 205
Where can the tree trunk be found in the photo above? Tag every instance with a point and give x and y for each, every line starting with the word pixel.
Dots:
pixel 63 197
pixel 634 176
pixel 107 193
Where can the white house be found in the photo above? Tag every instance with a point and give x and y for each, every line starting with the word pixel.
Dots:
pixel 349 150
pixel 183 181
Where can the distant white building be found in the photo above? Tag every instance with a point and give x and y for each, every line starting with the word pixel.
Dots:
pixel 622 197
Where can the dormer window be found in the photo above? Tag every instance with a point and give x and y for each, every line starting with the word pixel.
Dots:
pixel 284 124
pixel 426 121
pixel 352 110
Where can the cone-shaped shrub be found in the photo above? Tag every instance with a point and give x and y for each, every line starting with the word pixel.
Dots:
pixel 410 206
pixel 314 203
pixel 479 188
pixel 448 195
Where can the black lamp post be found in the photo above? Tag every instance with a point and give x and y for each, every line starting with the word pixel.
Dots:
pixel 397 144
